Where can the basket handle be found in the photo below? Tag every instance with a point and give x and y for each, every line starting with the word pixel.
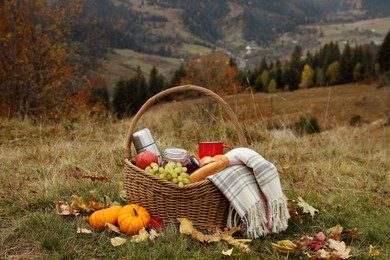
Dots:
pixel 183 88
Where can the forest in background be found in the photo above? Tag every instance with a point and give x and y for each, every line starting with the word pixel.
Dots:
pixel 51 50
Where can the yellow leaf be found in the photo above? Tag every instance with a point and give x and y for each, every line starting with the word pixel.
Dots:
pixel 338 229
pixel 64 209
pixel 323 254
pixel 141 237
pixel 242 247
pixel 306 207
pixel 112 228
pixel 373 251
pixel 118 241
pixel 186 226
pixel 83 231
pixel 228 252
pixel 340 249
pixel 284 246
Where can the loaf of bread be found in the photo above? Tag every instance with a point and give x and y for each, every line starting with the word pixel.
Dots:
pixel 209 166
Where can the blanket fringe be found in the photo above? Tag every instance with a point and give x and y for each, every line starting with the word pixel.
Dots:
pixel 255 224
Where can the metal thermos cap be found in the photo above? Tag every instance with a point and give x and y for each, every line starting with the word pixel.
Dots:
pixel 142 139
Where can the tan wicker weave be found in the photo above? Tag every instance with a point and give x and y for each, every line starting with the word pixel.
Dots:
pixel 200 202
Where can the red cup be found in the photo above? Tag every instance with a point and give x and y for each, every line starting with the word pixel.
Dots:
pixel 211 148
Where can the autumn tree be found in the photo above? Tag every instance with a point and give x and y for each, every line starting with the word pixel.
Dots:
pixel 307 78
pixel 36 69
pixel 333 73
pixel 272 86
pixel 212 72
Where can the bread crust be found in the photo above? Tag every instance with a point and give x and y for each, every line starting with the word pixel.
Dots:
pixel 209 166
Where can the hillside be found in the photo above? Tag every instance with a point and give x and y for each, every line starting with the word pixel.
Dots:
pixel 249 31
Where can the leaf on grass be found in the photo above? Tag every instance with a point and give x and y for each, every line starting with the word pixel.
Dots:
pixel 112 228
pixel 306 207
pixel 350 233
pixel 323 254
pixel 94 203
pixel 240 244
pixel 228 252
pixel 186 227
pixel 64 209
pixel 79 204
pixel 95 178
pixel 153 234
pixel 141 237
pixel 335 232
pixel 295 215
pixel 284 246
pixel 83 231
pixel 230 232
pixel 118 241
pixel 340 250
pixel 373 252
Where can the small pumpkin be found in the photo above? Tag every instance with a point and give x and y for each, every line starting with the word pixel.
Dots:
pixel 106 215
pixel 132 218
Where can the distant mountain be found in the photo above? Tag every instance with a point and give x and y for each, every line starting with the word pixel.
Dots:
pixel 171 28
pixel 142 25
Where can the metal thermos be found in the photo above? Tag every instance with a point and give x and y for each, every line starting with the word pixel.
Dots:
pixel 143 140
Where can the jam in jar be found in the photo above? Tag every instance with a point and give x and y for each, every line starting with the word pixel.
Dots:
pixel 180 155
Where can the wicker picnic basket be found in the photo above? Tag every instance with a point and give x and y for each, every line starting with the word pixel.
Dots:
pixel 200 202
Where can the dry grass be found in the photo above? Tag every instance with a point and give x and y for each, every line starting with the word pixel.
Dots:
pixel 343 172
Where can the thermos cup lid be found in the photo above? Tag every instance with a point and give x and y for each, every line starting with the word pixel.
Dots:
pixel 142 139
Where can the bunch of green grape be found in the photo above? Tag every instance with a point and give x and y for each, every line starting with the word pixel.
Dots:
pixel 173 172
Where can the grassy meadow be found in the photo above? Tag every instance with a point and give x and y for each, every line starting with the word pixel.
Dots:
pixel 343 172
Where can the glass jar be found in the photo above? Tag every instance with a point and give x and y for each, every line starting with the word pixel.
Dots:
pixel 176 155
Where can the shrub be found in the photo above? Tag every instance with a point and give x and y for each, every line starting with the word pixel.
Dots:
pixel 355 120
pixel 303 126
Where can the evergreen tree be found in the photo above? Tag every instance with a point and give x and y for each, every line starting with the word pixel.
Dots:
pixel 291 78
pixel 232 62
pixel 384 54
pixel 130 95
pixel 293 75
pixel 358 72
pixel 178 75
pixel 279 75
pixel 156 81
pixel 368 64
pixel 346 64
pixel 320 77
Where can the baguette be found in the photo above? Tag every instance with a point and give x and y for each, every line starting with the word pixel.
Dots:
pixel 209 166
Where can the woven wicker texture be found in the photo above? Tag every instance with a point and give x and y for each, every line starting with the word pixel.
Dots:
pixel 200 202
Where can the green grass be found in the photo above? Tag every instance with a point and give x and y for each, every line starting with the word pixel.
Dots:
pixel 146 62
pixel 195 49
pixel 342 172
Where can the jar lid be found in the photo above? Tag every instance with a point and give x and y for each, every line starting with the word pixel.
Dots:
pixel 175 153
pixel 194 161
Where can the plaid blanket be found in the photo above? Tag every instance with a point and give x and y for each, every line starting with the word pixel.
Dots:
pixel 252 186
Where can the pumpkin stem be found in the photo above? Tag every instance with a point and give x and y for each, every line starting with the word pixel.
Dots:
pixel 105 201
pixel 135 212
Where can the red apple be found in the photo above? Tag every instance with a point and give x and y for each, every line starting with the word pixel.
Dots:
pixel 145 158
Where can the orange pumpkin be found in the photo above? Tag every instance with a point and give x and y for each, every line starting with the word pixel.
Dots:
pixel 107 215
pixel 132 218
